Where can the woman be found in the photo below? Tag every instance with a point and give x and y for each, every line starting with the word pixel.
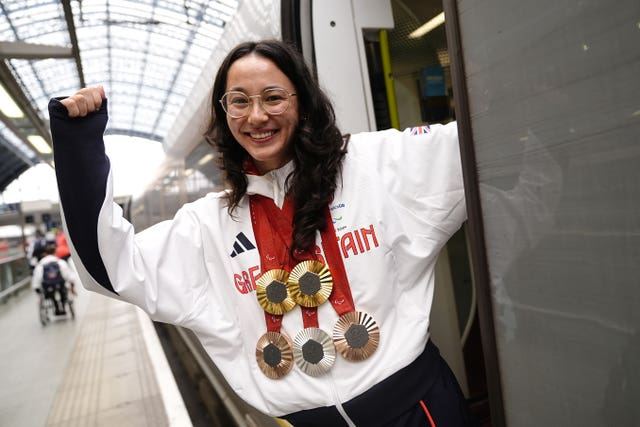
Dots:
pixel 309 282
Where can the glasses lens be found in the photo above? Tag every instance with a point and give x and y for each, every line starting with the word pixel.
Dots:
pixel 275 101
pixel 236 104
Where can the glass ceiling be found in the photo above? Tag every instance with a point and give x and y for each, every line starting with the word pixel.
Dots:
pixel 146 53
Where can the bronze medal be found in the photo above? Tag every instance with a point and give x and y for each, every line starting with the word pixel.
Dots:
pixel 313 351
pixel 274 355
pixel 356 335
pixel 272 292
pixel 310 283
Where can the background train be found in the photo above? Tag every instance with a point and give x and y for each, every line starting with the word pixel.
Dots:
pixel 535 296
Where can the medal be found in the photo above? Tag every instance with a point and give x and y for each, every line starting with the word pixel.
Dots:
pixel 356 335
pixel 272 293
pixel 310 283
pixel 313 351
pixel 274 355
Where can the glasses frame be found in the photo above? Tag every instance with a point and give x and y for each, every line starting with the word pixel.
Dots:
pixel 224 107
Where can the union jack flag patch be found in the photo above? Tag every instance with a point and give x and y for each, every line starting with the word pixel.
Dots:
pixel 418 130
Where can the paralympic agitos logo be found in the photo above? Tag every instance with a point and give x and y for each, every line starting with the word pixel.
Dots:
pixel 351 243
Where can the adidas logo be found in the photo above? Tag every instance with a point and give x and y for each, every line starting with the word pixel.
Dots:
pixel 241 244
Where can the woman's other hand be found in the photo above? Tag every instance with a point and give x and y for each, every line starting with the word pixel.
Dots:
pixel 85 101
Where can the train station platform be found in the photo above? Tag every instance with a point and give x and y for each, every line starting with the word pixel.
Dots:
pixel 105 368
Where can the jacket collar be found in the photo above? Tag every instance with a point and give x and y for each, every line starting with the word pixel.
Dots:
pixel 272 184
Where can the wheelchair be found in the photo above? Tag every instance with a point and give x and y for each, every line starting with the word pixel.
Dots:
pixel 52 296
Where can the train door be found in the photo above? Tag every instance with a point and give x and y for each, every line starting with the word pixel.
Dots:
pixel 392 69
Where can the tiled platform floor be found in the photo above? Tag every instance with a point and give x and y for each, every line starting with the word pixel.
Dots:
pixel 106 368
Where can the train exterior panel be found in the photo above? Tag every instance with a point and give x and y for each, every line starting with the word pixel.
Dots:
pixel 553 93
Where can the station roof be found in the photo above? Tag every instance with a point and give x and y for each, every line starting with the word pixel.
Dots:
pixel 146 53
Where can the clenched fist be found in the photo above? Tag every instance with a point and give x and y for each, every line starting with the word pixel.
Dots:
pixel 84 101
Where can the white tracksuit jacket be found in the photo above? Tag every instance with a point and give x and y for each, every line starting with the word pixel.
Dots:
pixel 400 200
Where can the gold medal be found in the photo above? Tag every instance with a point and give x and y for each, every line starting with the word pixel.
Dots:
pixel 272 293
pixel 356 335
pixel 310 283
pixel 313 351
pixel 274 355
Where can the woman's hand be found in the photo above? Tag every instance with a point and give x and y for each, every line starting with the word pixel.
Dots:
pixel 84 101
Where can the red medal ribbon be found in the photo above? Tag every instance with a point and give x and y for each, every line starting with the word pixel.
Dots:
pixel 268 222
pixel 340 298
pixel 270 257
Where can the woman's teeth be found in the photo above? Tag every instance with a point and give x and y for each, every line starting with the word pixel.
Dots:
pixel 261 135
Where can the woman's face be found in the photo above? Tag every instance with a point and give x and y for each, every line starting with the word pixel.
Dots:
pixel 266 137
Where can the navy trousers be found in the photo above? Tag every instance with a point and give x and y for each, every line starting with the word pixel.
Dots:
pixel 423 394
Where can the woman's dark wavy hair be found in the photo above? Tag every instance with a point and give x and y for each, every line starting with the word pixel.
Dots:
pixel 318 146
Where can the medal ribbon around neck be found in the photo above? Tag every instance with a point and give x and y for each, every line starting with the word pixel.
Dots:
pixel 274 351
pixel 281 221
pixel 274 236
pixel 274 265
pixel 356 334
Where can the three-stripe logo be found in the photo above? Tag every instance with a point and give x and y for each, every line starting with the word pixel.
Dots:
pixel 241 244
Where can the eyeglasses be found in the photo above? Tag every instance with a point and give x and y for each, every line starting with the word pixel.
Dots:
pixel 273 101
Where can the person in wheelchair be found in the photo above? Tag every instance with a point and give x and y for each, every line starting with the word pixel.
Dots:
pixel 52 274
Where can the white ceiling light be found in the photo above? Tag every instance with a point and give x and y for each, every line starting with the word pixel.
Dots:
pixel 205 159
pixel 8 106
pixel 428 26
pixel 39 143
